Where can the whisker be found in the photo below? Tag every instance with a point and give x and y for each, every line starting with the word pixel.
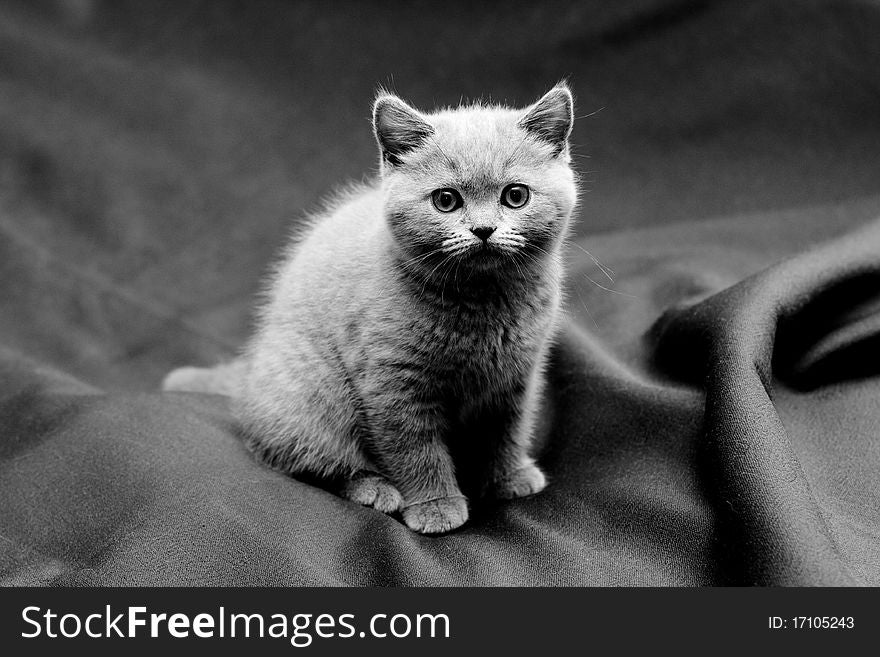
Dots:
pixel 589 314
pixel 608 289
pixel 421 257
pixel 605 270
pixel 411 262
pixel 431 274
pixel 593 113
pixel 580 297
pixel 455 262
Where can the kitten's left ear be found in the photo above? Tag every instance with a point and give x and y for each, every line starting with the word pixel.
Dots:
pixel 398 127
pixel 551 118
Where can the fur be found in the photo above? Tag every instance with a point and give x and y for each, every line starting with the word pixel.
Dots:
pixel 397 354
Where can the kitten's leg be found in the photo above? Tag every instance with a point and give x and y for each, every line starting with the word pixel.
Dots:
pixel 407 446
pixel 371 489
pixel 297 416
pixel 511 471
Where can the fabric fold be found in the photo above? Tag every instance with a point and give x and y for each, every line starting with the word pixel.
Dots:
pixel 812 318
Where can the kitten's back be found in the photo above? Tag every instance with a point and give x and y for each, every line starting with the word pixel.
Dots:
pixel 328 265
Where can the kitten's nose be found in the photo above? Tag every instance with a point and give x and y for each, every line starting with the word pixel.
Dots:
pixel 483 232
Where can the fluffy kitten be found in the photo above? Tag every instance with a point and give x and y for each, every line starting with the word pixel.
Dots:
pixel 400 352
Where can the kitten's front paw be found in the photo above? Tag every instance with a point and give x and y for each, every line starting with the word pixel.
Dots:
pixel 524 481
pixel 374 491
pixel 436 516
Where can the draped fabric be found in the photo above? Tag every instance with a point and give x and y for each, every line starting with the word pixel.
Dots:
pixel 713 409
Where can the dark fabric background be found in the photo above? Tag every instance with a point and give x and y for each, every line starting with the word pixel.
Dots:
pixel 713 415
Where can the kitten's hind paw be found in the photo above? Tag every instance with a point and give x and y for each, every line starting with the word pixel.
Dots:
pixel 522 482
pixel 375 491
pixel 221 379
pixel 436 516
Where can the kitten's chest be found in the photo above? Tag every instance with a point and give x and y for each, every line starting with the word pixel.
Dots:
pixel 483 350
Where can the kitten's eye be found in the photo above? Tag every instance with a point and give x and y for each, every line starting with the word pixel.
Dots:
pixel 515 196
pixel 446 200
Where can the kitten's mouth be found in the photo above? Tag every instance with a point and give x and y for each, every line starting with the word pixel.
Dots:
pixel 483 248
pixel 485 254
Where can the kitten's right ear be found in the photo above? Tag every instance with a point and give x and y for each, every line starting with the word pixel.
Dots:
pixel 551 118
pixel 398 127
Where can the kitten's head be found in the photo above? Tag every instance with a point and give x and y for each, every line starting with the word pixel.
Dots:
pixel 485 188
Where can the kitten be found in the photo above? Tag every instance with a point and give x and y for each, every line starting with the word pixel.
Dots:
pixel 401 349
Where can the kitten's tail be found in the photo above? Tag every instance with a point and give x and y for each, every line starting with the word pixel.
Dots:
pixel 223 379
